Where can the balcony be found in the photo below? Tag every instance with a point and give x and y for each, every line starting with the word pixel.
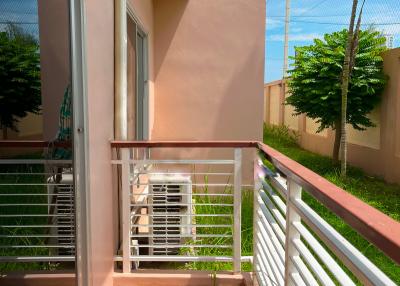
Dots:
pixel 192 213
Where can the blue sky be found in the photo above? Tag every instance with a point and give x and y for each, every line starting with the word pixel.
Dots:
pixel 309 19
pixel 313 18
pixel 20 11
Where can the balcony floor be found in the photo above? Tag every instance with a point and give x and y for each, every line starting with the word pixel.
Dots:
pixel 141 277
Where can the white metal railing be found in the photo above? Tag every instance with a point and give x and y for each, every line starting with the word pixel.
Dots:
pixel 199 221
pixel 293 245
pixel 37 219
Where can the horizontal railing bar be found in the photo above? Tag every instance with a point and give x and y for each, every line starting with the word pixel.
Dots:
pixel 262 276
pixel 303 271
pixel 35 184
pixel 183 225
pixel 38 246
pixel 181 245
pixel 325 257
pixel 277 200
pixel 297 279
pixel 33 174
pixel 36 205
pixel 36 226
pixel 267 180
pixel 278 182
pixel 376 227
pixel 184 144
pixel 268 205
pixel 35 235
pixel 183 173
pixel 177 258
pixel 277 247
pixel 33 195
pixel 277 235
pixel 184 184
pixel 268 220
pixel 39 215
pixel 181 194
pixel 272 253
pixel 190 184
pixel 267 260
pixel 312 262
pixel 266 270
pixel 364 269
pixel 33 162
pixel 169 214
pixel 36 258
pixel 194 162
pixel 183 235
pixel 180 204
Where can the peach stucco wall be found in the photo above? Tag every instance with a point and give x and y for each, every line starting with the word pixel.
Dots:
pixel 209 69
pixel 209 73
pixel 100 84
pixel 376 150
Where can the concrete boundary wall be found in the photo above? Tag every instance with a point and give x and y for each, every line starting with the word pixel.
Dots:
pixel 376 150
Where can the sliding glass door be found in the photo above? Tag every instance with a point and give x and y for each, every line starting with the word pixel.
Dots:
pixel 137 81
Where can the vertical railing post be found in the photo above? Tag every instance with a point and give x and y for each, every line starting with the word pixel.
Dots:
pixel 293 193
pixel 237 211
pixel 126 211
pixel 257 188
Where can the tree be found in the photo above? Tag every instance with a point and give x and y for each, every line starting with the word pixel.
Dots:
pixel 315 81
pixel 19 77
pixel 349 57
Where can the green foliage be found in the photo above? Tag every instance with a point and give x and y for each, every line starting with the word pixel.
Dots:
pixel 282 134
pixel 315 80
pixel 19 76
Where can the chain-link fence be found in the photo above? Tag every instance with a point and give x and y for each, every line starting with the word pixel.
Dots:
pixel 21 13
pixel 310 19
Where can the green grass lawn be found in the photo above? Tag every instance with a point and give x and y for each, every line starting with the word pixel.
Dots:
pixel 7 214
pixel 15 213
pixel 209 208
pixel 374 191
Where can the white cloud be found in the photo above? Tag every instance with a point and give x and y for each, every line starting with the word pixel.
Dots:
pixel 295 38
pixel 271 23
pixel 295 29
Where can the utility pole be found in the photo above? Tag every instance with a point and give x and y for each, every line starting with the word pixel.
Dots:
pixel 286 44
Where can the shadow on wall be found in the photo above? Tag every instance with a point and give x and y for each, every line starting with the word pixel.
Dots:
pixel 167 16
pixel 54 60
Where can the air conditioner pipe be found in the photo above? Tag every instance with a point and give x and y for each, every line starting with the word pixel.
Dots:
pixel 120 71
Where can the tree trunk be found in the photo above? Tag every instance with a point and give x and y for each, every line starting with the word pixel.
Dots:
pixel 336 145
pixel 345 89
pixel 5 133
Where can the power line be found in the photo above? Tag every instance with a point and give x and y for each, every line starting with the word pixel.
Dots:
pixel 341 24
pixel 309 16
pixel 313 7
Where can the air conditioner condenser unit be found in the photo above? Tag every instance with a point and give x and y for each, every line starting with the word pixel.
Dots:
pixel 170 213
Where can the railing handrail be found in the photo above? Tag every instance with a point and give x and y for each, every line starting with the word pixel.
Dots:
pixel 375 226
pixel 32 144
